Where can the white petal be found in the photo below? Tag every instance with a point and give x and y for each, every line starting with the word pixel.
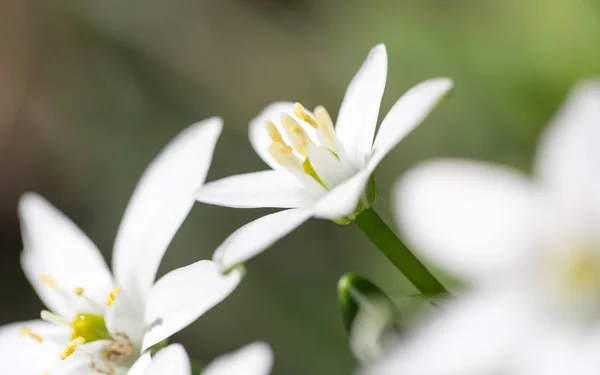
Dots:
pixel 472 218
pixel 172 360
pixel 140 366
pixel 408 112
pixel 343 200
pixel 258 136
pixel 183 295
pixel 252 359
pixel 258 189
pixel 161 201
pixel 568 152
pixel 22 355
pixel 126 318
pixel 358 114
pixel 328 167
pixel 256 236
pixel 474 335
pixel 56 249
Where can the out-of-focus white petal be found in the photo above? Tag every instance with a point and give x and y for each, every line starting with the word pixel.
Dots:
pixel 472 218
pixel 473 335
pixel 252 359
pixel 161 201
pixel 172 360
pixel 259 138
pixel 344 198
pixel 408 112
pixel 568 152
pixel 141 365
pixel 357 119
pixel 182 296
pixel 57 251
pixel 257 189
pixel 254 237
pixel 22 355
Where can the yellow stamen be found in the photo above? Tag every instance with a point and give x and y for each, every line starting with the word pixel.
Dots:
pixel 49 281
pixel 299 140
pixel 70 349
pixel 273 132
pixel 284 156
pixel 112 295
pixel 78 290
pixel 325 125
pixel 27 332
pixel 305 116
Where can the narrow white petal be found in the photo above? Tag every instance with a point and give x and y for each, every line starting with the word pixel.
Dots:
pixel 256 236
pixel 259 139
pixel 472 218
pixel 344 199
pixel 59 252
pixel 408 112
pixel 161 201
pixel 22 355
pixel 568 152
pixel 474 335
pixel 172 360
pixel 252 359
pixel 258 189
pixel 358 114
pixel 182 296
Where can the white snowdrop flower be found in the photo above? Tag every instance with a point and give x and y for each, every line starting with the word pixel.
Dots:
pixel 529 249
pixel 100 322
pixel 319 170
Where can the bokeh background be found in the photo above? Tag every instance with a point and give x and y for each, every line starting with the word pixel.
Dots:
pixel 91 90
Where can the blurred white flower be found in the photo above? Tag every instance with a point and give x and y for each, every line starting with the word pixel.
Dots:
pixel 529 250
pixel 110 321
pixel 252 359
pixel 318 171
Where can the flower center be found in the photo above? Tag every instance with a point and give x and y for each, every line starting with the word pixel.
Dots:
pixel 293 152
pixel 582 272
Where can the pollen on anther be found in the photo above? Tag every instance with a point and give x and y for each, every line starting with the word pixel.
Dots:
pixel 305 116
pixel 49 281
pixel 274 134
pixel 112 295
pixel 70 349
pixel 27 332
pixel 78 290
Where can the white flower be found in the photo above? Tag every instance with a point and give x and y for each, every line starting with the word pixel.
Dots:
pixel 252 359
pixel 109 321
pixel 528 248
pixel 319 171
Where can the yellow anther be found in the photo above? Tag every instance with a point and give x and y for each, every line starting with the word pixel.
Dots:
pixel 27 332
pixel 273 132
pixel 78 290
pixel 70 349
pixel 284 156
pixel 325 125
pixel 49 281
pixel 299 140
pixel 112 295
pixel 305 116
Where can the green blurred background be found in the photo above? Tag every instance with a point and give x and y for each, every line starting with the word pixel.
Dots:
pixel 91 90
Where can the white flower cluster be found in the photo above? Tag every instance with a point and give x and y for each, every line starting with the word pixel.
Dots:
pixel 528 249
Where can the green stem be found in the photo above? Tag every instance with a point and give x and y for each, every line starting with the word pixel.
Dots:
pixel 391 246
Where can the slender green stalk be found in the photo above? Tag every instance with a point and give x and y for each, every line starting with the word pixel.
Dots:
pixel 391 246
